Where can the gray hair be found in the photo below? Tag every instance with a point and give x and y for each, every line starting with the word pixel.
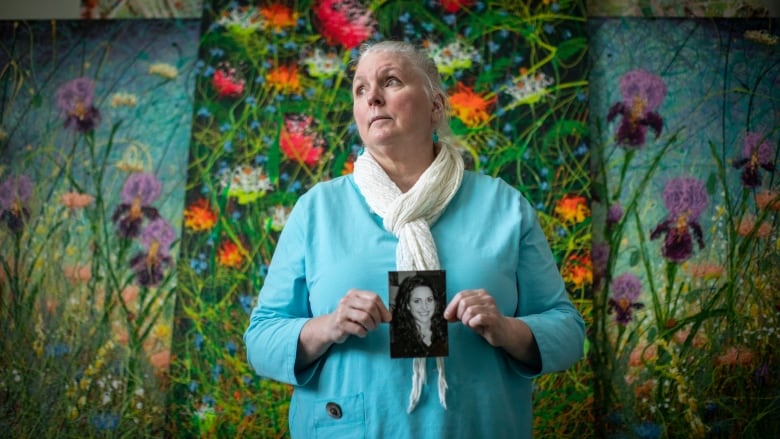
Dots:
pixel 422 62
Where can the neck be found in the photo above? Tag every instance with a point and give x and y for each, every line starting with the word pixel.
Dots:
pixel 404 169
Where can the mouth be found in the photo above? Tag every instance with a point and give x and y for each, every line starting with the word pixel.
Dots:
pixel 377 118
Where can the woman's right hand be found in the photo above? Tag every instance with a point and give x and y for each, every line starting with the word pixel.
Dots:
pixel 358 313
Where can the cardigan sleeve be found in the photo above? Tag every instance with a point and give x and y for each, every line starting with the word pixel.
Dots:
pixel 544 303
pixel 275 324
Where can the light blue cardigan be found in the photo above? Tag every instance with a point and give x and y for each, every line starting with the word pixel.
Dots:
pixel 488 237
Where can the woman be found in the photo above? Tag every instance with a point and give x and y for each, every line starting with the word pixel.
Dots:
pixel 321 320
pixel 418 328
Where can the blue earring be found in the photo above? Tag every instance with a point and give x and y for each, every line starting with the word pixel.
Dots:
pixel 435 136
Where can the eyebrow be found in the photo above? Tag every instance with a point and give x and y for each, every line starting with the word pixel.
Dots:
pixel 381 70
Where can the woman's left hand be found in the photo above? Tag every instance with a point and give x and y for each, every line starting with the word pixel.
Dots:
pixel 477 310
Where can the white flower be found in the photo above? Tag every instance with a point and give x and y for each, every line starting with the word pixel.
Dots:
pixel 242 18
pixel 529 88
pixel 322 65
pixel 245 182
pixel 454 56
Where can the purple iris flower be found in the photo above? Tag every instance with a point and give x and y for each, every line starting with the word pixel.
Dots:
pixel 614 214
pixel 685 199
pixel 75 100
pixel 756 152
pixel 138 193
pixel 150 264
pixel 626 289
pixel 15 191
pixel 642 92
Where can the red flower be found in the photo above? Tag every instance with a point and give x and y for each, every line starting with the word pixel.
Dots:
pixel 227 83
pixel 572 209
pixel 284 79
pixel 199 216
pixel 470 107
pixel 279 16
pixel 299 140
pixel 344 22
pixel 230 254
pixel 453 6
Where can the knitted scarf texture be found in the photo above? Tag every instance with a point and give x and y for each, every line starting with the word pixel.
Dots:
pixel 409 216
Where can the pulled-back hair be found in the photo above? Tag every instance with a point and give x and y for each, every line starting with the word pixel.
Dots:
pixel 422 62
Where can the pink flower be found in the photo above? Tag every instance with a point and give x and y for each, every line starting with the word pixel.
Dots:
pixel 227 82
pixel 344 22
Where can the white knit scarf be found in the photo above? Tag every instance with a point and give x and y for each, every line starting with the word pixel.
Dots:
pixel 409 217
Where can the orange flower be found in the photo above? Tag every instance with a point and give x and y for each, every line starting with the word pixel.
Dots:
pixel 75 200
pixel 199 216
pixel 279 16
pixel 349 166
pixel 78 273
pixel 161 360
pixel 572 209
pixel 284 79
pixel 642 354
pixel 768 200
pixel 578 270
pixel 230 254
pixel 705 270
pixel 735 355
pixel 130 293
pixel 470 107
pixel 749 222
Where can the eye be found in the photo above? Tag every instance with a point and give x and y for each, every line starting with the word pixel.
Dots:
pixel 391 81
pixel 359 90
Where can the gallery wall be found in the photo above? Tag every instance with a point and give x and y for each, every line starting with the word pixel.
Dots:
pixel 151 151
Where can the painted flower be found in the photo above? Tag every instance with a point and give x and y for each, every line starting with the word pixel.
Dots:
pixel 626 289
pixel 227 82
pixel 685 199
pixel 15 192
pixel 529 88
pixel 76 200
pixel 572 209
pixel 278 16
pixel 241 19
pixel 578 270
pixel 279 215
pixel 344 22
pixel 641 354
pixel 735 356
pixel 614 214
pixel 75 101
pixel 299 140
pixel 161 360
pixel 164 70
pixel 245 183
pixel 284 79
pixel 230 254
pixel 104 421
pixel 453 6
pixel 470 107
pixel 705 270
pixel 642 93
pixel 121 99
pixel 149 264
pixel 756 153
pixel 199 216
pixel 768 200
pixel 140 190
pixel 748 222
pixel 322 65
pixel 599 259
pixel 455 56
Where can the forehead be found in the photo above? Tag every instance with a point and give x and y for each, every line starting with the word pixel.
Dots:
pixel 421 291
pixel 375 62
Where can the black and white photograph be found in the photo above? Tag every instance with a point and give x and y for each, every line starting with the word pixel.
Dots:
pixel 418 328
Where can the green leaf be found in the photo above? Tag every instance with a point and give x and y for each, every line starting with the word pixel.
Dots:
pixel 634 259
pixel 571 47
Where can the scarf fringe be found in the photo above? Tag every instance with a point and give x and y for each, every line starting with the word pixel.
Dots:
pixel 409 217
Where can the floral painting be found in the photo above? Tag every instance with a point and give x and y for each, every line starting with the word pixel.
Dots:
pixel 94 141
pixel 272 117
pixel 138 9
pixel 686 249
pixel 684 8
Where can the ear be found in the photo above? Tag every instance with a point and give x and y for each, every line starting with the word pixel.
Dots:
pixel 438 108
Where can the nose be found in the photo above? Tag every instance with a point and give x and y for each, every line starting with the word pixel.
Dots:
pixel 374 97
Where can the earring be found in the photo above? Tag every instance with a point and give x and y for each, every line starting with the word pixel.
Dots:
pixel 435 136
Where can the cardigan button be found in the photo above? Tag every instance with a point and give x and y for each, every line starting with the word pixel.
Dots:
pixel 334 410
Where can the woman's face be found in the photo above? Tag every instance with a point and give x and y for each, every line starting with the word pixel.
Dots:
pixel 422 304
pixel 391 105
